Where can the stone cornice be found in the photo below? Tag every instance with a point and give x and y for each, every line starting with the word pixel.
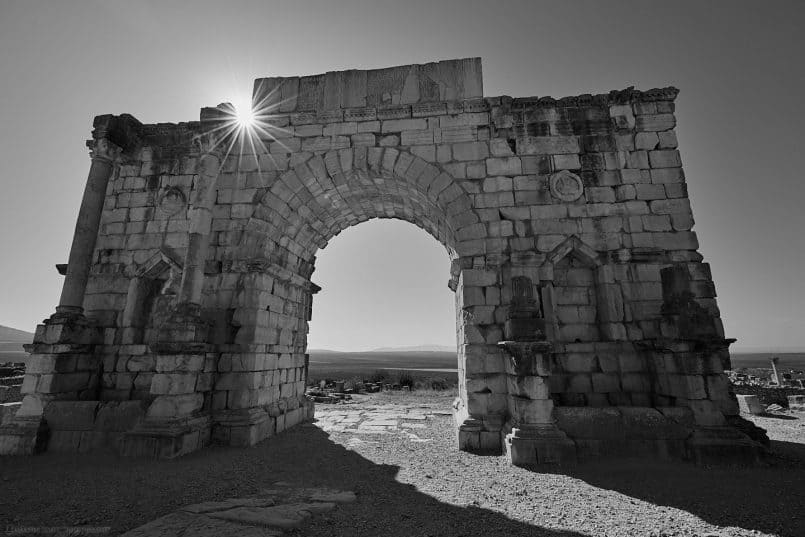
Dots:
pixel 123 131
pixel 192 128
pixel 628 95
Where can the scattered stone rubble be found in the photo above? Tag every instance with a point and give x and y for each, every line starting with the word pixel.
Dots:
pixel 334 392
pixel 580 292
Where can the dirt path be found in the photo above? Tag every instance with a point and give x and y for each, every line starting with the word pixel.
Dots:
pixel 397 454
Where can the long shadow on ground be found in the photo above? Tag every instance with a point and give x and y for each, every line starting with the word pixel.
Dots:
pixel 105 490
pixel 769 498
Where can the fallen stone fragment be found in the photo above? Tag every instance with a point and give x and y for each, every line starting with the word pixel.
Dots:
pixel 334 496
pixel 211 507
pixel 280 516
pixel 182 524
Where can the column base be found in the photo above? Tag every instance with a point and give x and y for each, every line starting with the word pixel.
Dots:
pixel 167 439
pixel 530 445
pixel 67 325
pixel 242 428
pixel 23 436
pixel 723 445
pixel 249 426
pixel 472 437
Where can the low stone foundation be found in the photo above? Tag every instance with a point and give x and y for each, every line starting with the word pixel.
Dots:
pixel 123 427
pixel 585 434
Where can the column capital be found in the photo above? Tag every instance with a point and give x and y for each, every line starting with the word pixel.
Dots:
pixel 102 149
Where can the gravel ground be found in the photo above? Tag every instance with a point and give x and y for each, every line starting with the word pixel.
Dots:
pixel 424 487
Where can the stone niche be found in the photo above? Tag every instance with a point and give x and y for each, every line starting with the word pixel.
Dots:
pixel 587 322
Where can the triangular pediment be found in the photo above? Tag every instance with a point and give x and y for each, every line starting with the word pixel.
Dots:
pixel 575 248
pixel 162 262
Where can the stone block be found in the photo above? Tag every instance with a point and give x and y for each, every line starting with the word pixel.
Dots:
pixel 578 383
pixel 464 119
pixel 8 411
pixel 179 363
pixel 566 162
pixel 606 382
pixel 504 166
pixel 64 441
pixel 51 363
pixel 170 406
pixel 796 402
pixel 593 423
pixel 664 158
pixel 71 415
pixel 667 176
pixel 497 184
pixel 578 363
pixel 173 383
pixel 637 160
pixel 61 383
pixel 530 411
pixel 499 147
pixel 547 145
pixel 646 140
pixel 655 122
pixel 119 416
pixel 399 125
pixel 705 413
pixel 636 382
pixel 532 387
pixel 667 140
pixel 479 277
pixel 470 151
pixel 623 116
pixel 750 404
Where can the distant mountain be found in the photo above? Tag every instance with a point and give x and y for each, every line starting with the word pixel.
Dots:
pixel 417 348
pixel 8 334
pixel 11 342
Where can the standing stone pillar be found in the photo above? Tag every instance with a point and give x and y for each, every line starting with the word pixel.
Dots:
pixel 176 422
pixel 533 437
pixel 104 154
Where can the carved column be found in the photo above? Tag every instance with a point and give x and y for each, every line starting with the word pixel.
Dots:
pixel 104 155
pixel 62 365
pixel 533 437
pixel 200 216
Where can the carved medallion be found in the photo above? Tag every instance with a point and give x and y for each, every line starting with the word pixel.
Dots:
pixel 172 201
pixel 566 186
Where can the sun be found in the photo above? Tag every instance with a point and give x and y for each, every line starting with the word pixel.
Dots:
pixel 244 117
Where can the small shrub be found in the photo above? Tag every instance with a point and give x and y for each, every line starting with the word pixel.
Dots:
pixel 355 384
pixel 405 378
pixel 439 383
pixel 378 377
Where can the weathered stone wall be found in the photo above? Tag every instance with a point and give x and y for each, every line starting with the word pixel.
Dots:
pixel 581 198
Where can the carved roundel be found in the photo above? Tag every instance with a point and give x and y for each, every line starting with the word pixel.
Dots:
pixel 172 201
pixel 566 186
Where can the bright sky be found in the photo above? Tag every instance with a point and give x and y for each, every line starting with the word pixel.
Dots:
pixel 740 114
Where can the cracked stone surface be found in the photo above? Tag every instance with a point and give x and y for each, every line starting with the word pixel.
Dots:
pixel 279 508
pixel 357 421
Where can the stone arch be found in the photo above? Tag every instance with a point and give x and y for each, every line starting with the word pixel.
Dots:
pixel 270 268
pixel 320 196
